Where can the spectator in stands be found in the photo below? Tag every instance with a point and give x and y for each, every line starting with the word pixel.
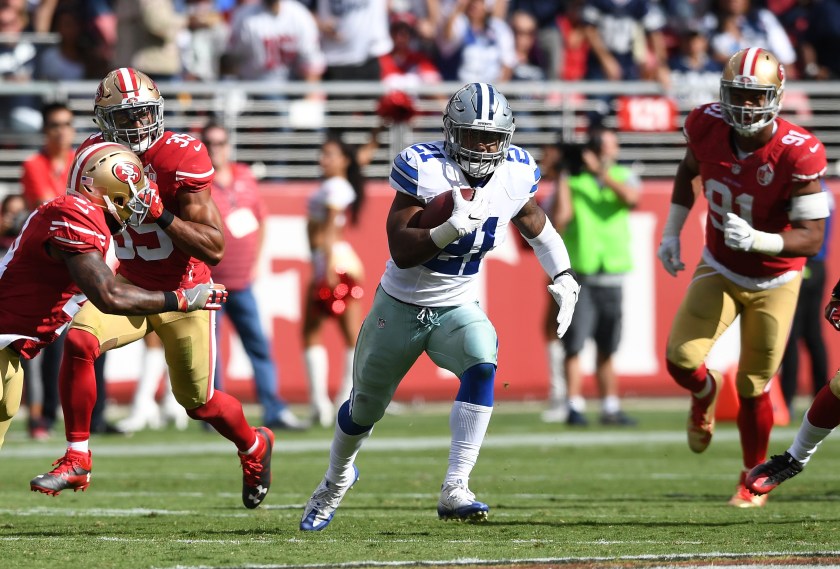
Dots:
pixel 67 60
pixel 575 44
pixel 202 42
pixel 476 46
pixel 17 65
pixel 237 196
pixel 406 67
pixel 276 40
pixel 45 172
pixel 819 41
pixel 741 25
pixel 148 31
pixel 616 50
pixel 695 75
pixel 354 35
pixel 529 64
pixel 548 41
pixel 426 15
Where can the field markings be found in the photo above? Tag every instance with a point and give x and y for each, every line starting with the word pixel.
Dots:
pixel 396 444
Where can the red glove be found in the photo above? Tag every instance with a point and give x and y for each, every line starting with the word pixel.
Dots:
pixel 201 297
pixel 832 312
pixel 150 199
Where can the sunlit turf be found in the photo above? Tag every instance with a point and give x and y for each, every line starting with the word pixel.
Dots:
pixel 168 498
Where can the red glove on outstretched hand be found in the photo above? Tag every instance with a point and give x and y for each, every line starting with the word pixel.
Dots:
pixel 201 297
pixel 150 198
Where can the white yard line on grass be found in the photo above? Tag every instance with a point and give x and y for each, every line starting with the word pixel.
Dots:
pixel 393 444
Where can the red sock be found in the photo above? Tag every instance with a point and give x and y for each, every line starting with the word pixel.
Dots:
pixel 692 379
pixel 77 383
pixel 825 409
pixel 224 413
pixel 755 420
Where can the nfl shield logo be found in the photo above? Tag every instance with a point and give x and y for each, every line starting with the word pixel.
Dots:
pixel 764 175
pixel 380 322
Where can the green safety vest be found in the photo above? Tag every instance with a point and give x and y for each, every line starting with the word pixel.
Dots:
pixel 598 236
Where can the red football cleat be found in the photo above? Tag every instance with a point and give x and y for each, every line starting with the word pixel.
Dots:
pixel 71 471
pixel 256 470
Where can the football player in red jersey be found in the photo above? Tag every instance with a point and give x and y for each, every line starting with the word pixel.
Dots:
pixel 760 175
pixel 58 262
pixel 181 235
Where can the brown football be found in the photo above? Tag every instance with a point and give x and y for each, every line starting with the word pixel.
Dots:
pixel 439 209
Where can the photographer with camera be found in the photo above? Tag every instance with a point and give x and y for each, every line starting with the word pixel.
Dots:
pixel 595 194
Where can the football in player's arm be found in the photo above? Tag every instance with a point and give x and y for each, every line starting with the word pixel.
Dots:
pixel 766 212
pixel 427 300
pixel 58 261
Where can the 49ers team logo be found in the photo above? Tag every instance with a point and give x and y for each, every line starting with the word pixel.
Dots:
pixel 764 175
pixel 126 172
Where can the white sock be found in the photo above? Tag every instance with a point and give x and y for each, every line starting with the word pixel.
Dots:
pixel 317 367
pixel 610 405
pixel 347 381
pixel 468 424
pixel 556 372
pixel 577 403
pixel 808 438
pixel 154 366
pixel 81 446
pixel 343 451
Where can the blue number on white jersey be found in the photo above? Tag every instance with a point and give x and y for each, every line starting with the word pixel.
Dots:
pixel 518 155
pixel 456 259
pixel 427 151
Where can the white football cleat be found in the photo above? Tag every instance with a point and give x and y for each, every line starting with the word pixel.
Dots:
pixel 458 503
pixel 321 507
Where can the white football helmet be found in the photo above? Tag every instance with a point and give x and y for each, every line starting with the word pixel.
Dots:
pixel 756 72
pixel 110 176
pixel 477 117
pixel 125 99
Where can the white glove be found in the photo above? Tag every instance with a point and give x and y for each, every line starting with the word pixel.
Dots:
pixel 669 255
pixel 467 216
pixel 737 233
pixel 201 297
pixel 565 291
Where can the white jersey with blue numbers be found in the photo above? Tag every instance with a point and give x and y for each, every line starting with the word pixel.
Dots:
pixel 449 279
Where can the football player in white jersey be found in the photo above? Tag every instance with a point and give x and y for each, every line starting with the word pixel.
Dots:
pixel 427 300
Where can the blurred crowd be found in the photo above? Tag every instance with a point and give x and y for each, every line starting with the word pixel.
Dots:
pixel 405 42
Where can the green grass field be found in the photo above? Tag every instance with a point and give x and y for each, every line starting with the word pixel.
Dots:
pixel 585 497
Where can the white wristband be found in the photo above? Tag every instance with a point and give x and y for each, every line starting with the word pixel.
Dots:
pixel 676 219
pixel 768 243
pixel 444 234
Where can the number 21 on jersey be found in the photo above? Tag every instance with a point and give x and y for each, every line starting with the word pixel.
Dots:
pixel 461 257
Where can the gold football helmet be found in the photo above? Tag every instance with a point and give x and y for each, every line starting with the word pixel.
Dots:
pixel 110 176
pixel 751 90
pixel 129 109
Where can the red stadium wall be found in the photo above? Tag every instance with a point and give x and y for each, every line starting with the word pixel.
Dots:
pixel 514 297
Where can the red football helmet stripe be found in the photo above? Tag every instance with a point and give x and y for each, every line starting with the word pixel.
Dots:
pixel 129 85
pixel 750 60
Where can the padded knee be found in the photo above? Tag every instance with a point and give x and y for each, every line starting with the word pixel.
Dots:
pixel 691 379
pixel 477 385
